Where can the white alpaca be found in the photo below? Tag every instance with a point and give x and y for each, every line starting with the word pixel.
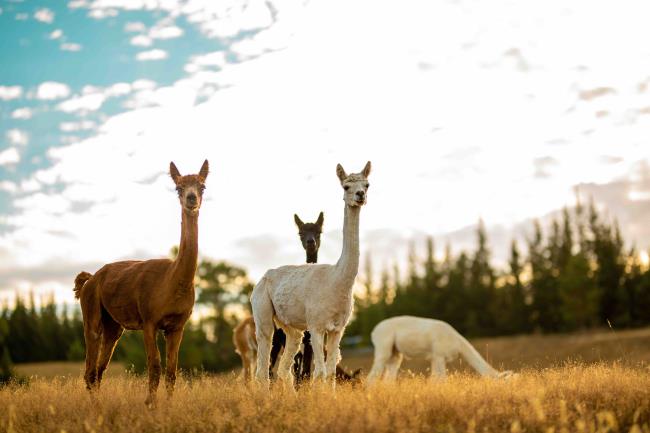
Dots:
pixel 415 337
pixel 316 298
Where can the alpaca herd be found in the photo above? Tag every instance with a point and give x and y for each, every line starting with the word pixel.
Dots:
pixel 305 305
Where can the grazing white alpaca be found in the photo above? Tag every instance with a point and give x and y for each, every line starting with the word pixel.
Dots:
pixel 316 298
pixel 419 337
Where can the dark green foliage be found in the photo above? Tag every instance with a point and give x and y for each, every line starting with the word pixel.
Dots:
pixel 30 334
pixel 577 276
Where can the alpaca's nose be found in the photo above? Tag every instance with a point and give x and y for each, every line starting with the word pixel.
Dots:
pixel 361 194
pixel 311 241
pixel 191 198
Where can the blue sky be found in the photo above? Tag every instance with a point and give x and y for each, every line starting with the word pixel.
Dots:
pixel 467 109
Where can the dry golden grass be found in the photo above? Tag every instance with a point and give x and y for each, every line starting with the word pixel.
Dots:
pixel 573 398
pixel 49 370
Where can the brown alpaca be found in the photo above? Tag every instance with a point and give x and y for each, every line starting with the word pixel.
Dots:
pixel 147 295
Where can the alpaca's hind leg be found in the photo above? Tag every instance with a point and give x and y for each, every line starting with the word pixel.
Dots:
pixel 112 331
pixel 263 316
pixel 91 311
pixel 333 353
pixel 317 343
pixel 172 346
pixel 153 362
pixel 279 340
pixel 438 368
pixel 383 353
pixel 393 366
pixel 293 338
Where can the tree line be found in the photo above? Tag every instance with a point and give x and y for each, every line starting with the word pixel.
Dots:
pixel 574 274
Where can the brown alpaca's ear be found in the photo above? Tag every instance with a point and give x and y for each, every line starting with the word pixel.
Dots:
pixel 356 373
pixel 298 221
pixel 340 172
pixel 205 169
pixel 173 172
pixel 366 169
pixel 320 220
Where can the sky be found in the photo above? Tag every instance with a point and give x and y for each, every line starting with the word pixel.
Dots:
pixel 468 110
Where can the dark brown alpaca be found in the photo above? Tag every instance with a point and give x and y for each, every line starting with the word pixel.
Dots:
pixel 310 238
pixel 147 295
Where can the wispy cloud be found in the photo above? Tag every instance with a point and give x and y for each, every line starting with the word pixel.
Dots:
pixel 56 34
pixel 68 46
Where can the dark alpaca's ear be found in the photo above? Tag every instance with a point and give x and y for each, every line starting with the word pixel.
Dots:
pixel 320 220
pixel 340 172
pixel 298 221
pixel 366 169
pixel 173 172
pixel 205 169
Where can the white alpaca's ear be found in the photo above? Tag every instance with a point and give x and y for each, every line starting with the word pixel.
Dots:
pixel 366 169
pixel 340 172
pixel 173 172
pixel 298 221
pixel 205 169
pixel 320 220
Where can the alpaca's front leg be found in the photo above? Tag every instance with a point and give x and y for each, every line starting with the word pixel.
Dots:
pixel 333 352
pixel 317 340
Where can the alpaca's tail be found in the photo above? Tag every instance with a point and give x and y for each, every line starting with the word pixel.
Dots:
pixel 79 283
pixel 475 359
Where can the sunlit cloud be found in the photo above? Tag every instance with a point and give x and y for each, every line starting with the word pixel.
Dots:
pixel 8 93
pixel 155 54
pixel 50 90
pixel 44 15
pixel 17 137
pixel 22 113
pixel 56 34
pixel 9 156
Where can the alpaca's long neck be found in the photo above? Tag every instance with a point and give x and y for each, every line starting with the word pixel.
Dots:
pixel 188 252
pixel 348 264
pixel 312 257
pixel 473 358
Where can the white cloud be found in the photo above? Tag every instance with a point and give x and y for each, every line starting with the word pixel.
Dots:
pixel 68 46
pixel 8 186
pixel 8 93
pixel 75 4
pixel 84 103
pixel 17 137
pixel 22 113
pixel 100 14
pixel 22 17
pixel 44 15
pixel 77 126
pixel 166 32
pixel 134 27
pixel 155 54
pixel 119 89
pixel 141 41
pixel 9 156
pixel 452 124
pixel 50 90
pixel 56 34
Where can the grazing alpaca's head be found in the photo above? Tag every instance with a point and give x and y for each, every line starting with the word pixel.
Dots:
pixel 355 185
pixel 310 235
pixel 190 187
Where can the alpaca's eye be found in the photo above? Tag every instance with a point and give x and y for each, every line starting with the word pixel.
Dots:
pixel 179 189
pixel 202 188
pixel 367 185
pixel 346 187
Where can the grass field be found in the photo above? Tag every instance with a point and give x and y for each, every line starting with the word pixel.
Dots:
pixel 606 388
